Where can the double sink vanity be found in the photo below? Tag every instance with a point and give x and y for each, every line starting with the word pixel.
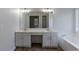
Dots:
pixel 23 37
pixel 37 27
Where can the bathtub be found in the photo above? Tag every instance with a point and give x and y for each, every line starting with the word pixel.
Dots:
pixel 70 42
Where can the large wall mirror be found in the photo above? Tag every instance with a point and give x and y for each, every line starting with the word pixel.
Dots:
pixel 36 18
pixel 38 21
pixel 44 21
pixel 34 21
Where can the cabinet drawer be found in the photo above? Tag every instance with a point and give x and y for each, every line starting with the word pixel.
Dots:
pixel 23 39
pixel 27 41
pixel 19 43
pixel 19 34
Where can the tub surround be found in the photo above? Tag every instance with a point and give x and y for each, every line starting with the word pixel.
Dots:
pixel 23 37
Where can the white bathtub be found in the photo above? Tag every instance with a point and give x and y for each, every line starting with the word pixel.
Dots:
pixel 70 42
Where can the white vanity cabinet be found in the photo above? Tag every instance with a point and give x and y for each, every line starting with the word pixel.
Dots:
pixel 46 40
pixel 19 38
pixel 54 40
pixel 50 40
pixel 27 40
pixel 23 39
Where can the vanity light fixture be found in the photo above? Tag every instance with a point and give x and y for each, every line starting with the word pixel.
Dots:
pixel 48 10
pixel 19 11
pixel 25 10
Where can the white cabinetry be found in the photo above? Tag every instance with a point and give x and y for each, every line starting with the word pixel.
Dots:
pixel 27 40
pixel 46 40
pixel 23 39
pixel 50 40
pixel 19 39
pixel 54 40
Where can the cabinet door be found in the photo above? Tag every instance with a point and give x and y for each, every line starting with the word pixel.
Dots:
pixel 46 40
pixel 54 41
pixel 27 40
pixel 19 39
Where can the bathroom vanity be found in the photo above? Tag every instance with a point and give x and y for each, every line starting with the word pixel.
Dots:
pixel 23 37
pixel 36 27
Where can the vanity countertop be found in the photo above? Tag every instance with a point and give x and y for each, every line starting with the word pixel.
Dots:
pixel 36 30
